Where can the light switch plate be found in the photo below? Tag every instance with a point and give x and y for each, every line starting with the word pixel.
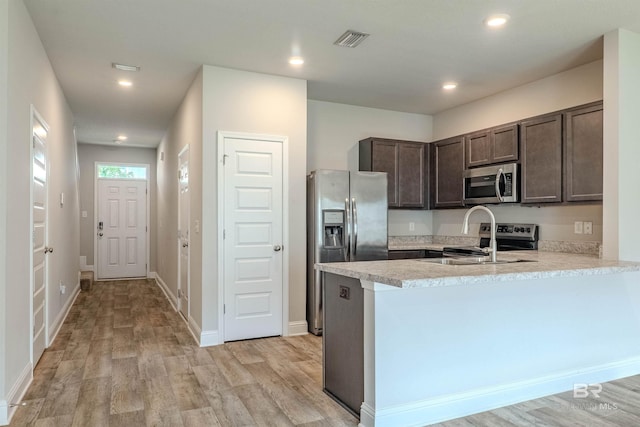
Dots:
pixel 577 227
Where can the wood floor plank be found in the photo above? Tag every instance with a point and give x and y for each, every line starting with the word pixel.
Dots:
pixel 41 383
pixel 197 356
pixel 200 417
pixel 123 344
pixel 127 419
pixel 161 408
pixel 27 415
pixel 126 395
pixel 63 393
pixel 235 373
pixel 92 408
pixel 245 352
pixel 297 408
pixel 229 408
pixel 262 408
pixel 56 421
pixel 187 391
pixel 489 419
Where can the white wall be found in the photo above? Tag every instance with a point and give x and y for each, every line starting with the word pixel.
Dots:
pixel 4 179
pixel 573 87
pixel 567 89
pixel 238 101
pixel 185 128
pixel 622 150
pixel 88 154
pixel 334 131
pixel 30 80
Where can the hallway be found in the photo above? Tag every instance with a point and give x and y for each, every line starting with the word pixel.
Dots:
pixel 124 357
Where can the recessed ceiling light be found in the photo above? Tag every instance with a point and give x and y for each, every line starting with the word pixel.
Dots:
pixel 125 83
pixel 296 60
pixel 449 86
pixel 123 67
pixel 122 137
pixel 496 20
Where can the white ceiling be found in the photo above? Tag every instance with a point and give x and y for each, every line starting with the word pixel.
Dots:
pixel 415 45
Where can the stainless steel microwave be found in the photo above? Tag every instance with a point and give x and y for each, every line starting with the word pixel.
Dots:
pixel 491 184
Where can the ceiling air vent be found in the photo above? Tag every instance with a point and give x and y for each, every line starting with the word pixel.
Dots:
pixel 351 39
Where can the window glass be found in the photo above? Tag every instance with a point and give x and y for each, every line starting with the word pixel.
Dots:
pixel 122 172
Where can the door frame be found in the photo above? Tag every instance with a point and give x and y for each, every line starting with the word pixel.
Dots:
pixel 221 136
pixel 95 211
pixel 179 282
pixel 35 115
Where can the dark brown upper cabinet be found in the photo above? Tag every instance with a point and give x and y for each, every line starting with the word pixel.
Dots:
pixel 448 165
pixel 490 146
pixel 406 164
pixel 583 153
pixel 541 145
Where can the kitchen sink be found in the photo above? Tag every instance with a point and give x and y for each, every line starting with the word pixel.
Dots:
pixel 471 261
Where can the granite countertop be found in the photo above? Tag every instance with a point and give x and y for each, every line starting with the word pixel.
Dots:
pixel 418 273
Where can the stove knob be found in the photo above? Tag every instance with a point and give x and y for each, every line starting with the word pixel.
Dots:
pixel 528 230
pixel 517 229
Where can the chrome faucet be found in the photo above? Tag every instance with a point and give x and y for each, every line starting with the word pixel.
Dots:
pixel 492 243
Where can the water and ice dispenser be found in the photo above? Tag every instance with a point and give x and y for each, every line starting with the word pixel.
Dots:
pixel 333 228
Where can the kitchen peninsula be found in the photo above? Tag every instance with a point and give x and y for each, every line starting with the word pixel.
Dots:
pixel 445 341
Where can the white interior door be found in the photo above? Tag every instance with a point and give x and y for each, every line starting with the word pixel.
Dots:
pixel 40 239
pixel 253 236
pixel 122 228
pixel 183 232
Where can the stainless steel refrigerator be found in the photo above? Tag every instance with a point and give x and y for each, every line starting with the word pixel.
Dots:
pixel 346 221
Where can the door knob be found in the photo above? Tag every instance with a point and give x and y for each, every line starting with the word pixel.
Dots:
pixel 185 245
pixel 100 234
pixel 277 248
pixel 48 250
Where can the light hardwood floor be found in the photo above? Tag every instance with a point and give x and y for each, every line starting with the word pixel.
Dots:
pixel 124 358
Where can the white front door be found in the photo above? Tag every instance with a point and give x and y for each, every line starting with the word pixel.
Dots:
pixel 39 238
pixel 122 228
pixel 253 228
pixel 183 232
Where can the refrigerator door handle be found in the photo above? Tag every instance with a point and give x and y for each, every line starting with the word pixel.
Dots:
pixel 355 227
pixel 347 245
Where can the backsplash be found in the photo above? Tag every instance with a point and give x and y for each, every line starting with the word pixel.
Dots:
pixel 416 242
pixel 590 248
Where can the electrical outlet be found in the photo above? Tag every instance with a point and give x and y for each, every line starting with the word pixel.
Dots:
pixel 577 227
pixel 63 288
pixel 345 292
pixel 588 227
pixel 412 226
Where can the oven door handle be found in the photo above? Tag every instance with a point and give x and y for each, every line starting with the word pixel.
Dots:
pixel 499 175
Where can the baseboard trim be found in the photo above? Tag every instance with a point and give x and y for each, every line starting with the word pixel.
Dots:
pixel 440 409
pixel 209 338
pixel 16 394
pixel 298 327
pixel 167 293
pixel 62 316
